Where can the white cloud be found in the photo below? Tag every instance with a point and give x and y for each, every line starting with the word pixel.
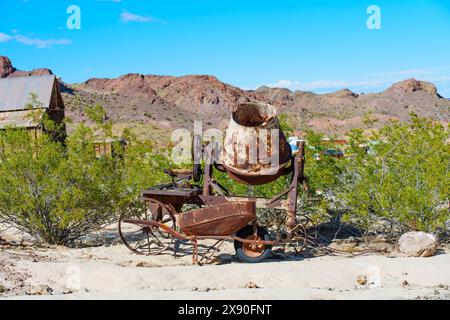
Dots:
pixel 436 78
pixel 410 72
pixel 131 17
pixel 329 84
pixel 288 84
pixel 369 81
pixel 4 37
pixel 39 43
pixel 322 84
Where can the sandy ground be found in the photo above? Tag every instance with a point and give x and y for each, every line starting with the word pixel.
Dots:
pixel 113 272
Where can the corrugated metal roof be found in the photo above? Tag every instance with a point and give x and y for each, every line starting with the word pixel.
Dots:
pixel 15 92
pixel 19 119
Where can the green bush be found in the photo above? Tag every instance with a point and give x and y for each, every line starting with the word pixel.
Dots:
pixel 404 178
pixel 60 192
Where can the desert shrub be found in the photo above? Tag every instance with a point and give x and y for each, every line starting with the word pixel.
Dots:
pixel 400 174
pixel 60 192
pixel 321 169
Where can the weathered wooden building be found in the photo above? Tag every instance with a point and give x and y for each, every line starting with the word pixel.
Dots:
pixel 108 147
pixel 19 96
pixel 25 100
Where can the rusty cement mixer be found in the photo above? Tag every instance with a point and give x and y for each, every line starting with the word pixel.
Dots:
pixel 255 149
pixel 195 206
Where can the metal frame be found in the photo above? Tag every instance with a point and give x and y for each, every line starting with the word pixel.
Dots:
pixel 174 198
pixel 290 204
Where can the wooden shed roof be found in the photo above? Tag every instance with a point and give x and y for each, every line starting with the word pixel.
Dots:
pixel 15 93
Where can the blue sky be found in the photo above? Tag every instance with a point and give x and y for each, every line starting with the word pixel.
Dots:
pixel 319 45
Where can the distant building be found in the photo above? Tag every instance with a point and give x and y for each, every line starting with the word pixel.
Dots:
pixel 109 147
pixel 16 102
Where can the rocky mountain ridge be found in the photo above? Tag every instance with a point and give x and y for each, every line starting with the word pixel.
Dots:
pixel 167 102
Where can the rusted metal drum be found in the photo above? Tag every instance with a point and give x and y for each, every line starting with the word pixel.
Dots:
pixel 219 220
pixel 256 150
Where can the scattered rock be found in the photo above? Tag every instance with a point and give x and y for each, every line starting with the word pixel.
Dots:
pixel 348 244
pixel 436 292
pixel 215 261
pixel 251 285
pixel 143 264
pixel 140 264
pixel 405 283
pixel 361 280
pixel 2 289
pixel 40 290
pixel 125 263
pixel 418 244
pixel 67 291
pixel 444 286
pixel 61 291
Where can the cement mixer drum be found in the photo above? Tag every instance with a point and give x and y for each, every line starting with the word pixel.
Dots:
pixel 255 150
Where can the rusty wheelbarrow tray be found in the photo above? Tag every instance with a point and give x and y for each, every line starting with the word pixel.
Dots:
pixel 218 220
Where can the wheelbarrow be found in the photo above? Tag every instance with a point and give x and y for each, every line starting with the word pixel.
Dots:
pixel 234 220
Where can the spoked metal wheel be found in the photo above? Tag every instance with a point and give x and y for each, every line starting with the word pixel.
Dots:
pixel 252 252
pixel 148 240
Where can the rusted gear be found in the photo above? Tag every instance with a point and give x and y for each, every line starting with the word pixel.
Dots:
pixel 284 236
